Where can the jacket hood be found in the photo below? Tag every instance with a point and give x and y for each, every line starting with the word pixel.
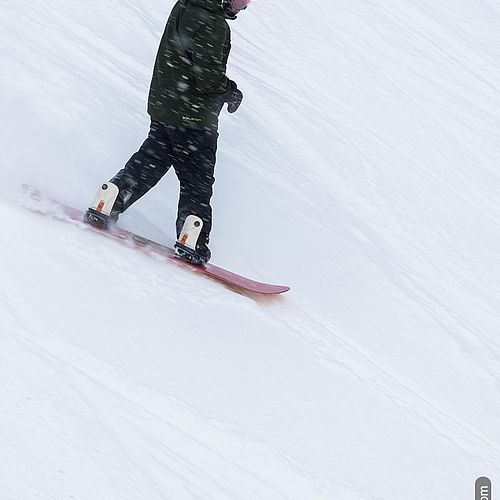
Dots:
pixel 211 5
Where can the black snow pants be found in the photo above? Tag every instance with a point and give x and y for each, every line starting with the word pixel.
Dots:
pixel 192 154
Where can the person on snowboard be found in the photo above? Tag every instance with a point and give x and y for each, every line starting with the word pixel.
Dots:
pixel 188 90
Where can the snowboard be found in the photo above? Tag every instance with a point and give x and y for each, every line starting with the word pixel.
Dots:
pixel 48 206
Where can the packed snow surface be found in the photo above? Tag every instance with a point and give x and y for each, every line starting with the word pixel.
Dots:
pixel 362 169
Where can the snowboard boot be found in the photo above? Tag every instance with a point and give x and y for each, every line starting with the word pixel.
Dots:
pixel 106 207
pixel 192 244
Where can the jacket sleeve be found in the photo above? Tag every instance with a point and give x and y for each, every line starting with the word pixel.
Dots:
pixel 209 60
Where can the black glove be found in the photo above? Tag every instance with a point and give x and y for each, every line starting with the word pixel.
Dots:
pixel 235 97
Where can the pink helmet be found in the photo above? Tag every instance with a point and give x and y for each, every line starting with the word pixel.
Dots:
pixel 236 5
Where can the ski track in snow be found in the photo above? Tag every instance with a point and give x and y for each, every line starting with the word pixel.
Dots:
pixel 362 170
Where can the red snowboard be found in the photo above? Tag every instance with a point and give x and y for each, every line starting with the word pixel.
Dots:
pixel 56 208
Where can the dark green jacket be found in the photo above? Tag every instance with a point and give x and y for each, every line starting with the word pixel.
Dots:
pixel 189 85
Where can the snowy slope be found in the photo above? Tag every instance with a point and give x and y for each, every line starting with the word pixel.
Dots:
pixel 361 169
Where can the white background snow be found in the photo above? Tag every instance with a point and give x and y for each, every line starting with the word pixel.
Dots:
pixel 362 169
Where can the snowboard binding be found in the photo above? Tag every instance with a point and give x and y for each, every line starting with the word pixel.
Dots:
pixel 192 243
pixel 101 213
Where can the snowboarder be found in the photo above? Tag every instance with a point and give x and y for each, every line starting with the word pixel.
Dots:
pixel 188 90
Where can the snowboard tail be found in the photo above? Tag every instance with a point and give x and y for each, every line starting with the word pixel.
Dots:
pixel 57 209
